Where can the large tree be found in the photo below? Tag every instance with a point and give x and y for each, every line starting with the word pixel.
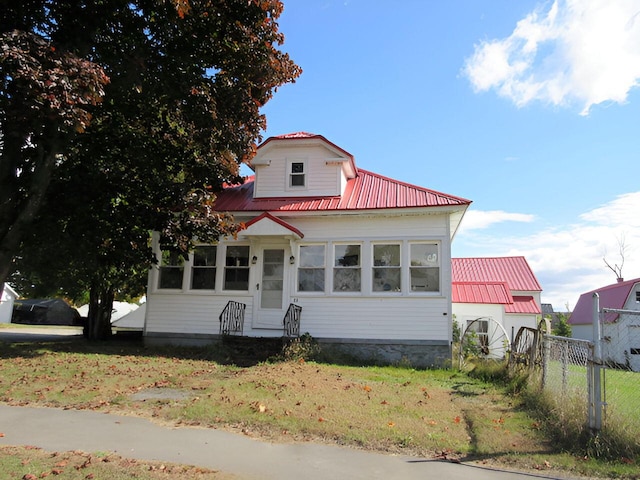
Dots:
pixel 166 107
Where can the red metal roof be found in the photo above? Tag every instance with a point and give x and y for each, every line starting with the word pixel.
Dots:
pixel 365 192
pixel 477 292
pixel 522 304
pixel 514 271
pixel 279 221
pixel 611 296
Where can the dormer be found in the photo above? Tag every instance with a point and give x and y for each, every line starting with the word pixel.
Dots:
pixel 301 165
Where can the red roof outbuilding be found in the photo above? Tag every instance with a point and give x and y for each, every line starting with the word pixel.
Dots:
pixel 494 280
pixel 611 296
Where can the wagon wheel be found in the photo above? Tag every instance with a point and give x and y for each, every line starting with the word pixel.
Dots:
pixel 524 349
pixel 483 339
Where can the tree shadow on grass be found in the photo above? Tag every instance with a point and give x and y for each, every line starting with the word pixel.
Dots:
pixel 117 345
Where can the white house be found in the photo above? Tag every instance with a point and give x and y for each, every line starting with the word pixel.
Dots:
pixel 367 259
pixel 620 333
pixel 503 289
pixel 7 300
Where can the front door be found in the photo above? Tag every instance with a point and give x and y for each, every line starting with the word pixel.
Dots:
pixel 270 291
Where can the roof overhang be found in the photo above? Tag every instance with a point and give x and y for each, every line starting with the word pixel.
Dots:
pixel 266 225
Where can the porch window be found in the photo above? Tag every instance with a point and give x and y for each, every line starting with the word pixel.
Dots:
pixel 236 270
pixel 346 270
pixel 481 330
pixel 203 272
pixel 425 267
pixel 296 175
pixel 386 268
pixel 311 268
pixel 171 270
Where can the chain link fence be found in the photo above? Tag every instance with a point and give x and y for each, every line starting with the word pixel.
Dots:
pixel 597 383
pixel 565 376
pixel 620 353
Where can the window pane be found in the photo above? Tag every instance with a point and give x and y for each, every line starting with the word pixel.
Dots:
pixel 346 279
pixel 347 256
pixel 236 278
pixel 312 256
pixel 297 180
pixel 424 255
pixel 386 255
pixel 425 279
pixel 238 256
pixel 311 279
pixel 204 256
pixel 203 279
pixel 236 272
pixel 170 277
pixel 171 270
pixel 386 279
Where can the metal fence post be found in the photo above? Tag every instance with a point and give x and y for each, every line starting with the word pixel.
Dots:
pixel 595 422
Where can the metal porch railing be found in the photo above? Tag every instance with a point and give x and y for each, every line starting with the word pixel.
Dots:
pixel 292 321
pixel 232 318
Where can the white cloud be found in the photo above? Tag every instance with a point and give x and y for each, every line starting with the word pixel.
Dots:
pixel 568 260
pixel 577 51
pixel 477 219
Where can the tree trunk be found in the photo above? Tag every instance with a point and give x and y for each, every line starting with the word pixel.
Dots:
pixel 98 325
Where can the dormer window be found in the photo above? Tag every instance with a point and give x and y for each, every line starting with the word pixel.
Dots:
pixel 297 174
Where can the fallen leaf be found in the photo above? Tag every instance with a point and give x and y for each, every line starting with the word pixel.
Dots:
pixel 366 388
pixel 457 419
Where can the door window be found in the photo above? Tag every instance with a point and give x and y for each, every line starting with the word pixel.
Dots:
pixel 272 278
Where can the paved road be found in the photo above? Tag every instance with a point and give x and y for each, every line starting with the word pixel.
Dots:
pixel 39 334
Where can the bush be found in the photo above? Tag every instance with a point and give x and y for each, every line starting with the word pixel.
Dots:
pixel 305 348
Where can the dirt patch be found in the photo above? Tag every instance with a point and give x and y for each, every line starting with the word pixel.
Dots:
pixel 159 394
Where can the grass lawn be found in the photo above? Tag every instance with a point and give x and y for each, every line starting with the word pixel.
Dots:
pixel 433 413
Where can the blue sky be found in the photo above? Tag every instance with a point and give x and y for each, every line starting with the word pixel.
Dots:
pixel 529 109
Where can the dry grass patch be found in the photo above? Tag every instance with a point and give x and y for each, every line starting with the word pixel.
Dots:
pixel 30 463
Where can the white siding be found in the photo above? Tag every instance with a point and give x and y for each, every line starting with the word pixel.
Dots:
pixel 401 315
pixel 376 318
pixel 188 314
pixel 632 303
pixel 513 322
pixel 270 179
pixel 323 175
pixel 350 227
